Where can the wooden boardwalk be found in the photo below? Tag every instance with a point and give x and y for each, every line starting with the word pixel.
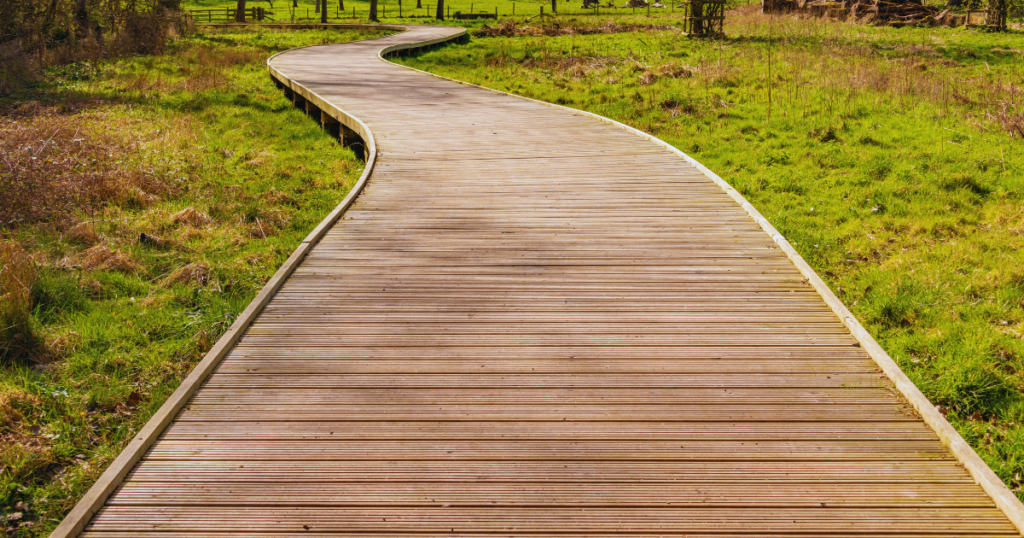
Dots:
pixel 532 322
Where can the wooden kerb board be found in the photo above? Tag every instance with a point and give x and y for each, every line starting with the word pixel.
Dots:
pixel 531 321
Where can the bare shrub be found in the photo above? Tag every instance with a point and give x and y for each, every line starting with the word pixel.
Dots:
pixel 141 34
pixel 17 276
pixel 16 66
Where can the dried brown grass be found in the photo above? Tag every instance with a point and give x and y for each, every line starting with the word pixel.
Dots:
pixel 274 196
pixel 18 337
pixel 191 217
pixel 84 233
pixel 194 273
pixel 261 229
pixel 53 166
pixel 103 258
pixel 576 66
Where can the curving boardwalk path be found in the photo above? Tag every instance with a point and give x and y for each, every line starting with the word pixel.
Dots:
pixel 532 322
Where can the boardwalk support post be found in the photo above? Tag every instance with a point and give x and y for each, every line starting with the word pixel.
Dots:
pixel 330 124
pixel 351 139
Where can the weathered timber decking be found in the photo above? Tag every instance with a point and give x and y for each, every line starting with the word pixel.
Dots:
pixel 535 323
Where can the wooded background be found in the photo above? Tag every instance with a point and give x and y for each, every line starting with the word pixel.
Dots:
pixel 36 33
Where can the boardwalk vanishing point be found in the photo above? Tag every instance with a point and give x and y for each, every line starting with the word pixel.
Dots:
pixel 530 321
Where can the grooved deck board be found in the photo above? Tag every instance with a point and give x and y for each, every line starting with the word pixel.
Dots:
pixel 533 323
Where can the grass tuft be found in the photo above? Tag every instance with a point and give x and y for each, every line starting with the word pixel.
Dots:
pixel 18 334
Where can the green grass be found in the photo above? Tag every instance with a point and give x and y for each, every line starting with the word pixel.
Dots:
pixel 885 160
pixel 205 128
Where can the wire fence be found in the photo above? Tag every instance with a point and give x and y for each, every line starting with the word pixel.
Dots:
pixel 428 11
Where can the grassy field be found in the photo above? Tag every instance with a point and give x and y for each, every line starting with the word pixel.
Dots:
pixel 197 150
pixel 893 160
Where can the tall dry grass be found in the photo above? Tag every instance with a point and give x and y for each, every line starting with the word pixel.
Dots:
pixel 17 276
pixel 53 167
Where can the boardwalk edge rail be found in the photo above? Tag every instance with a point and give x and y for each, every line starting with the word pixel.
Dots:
pixel 1004 499
pixel 74 523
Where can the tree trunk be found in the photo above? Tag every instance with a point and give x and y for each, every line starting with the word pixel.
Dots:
pixel 419 4
pixel 317 8
pixel 81 21
pixel 240 11
pixel 554 6
pixel 373 10
pixel 341 5
pixel 440 10
pixel 323 13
